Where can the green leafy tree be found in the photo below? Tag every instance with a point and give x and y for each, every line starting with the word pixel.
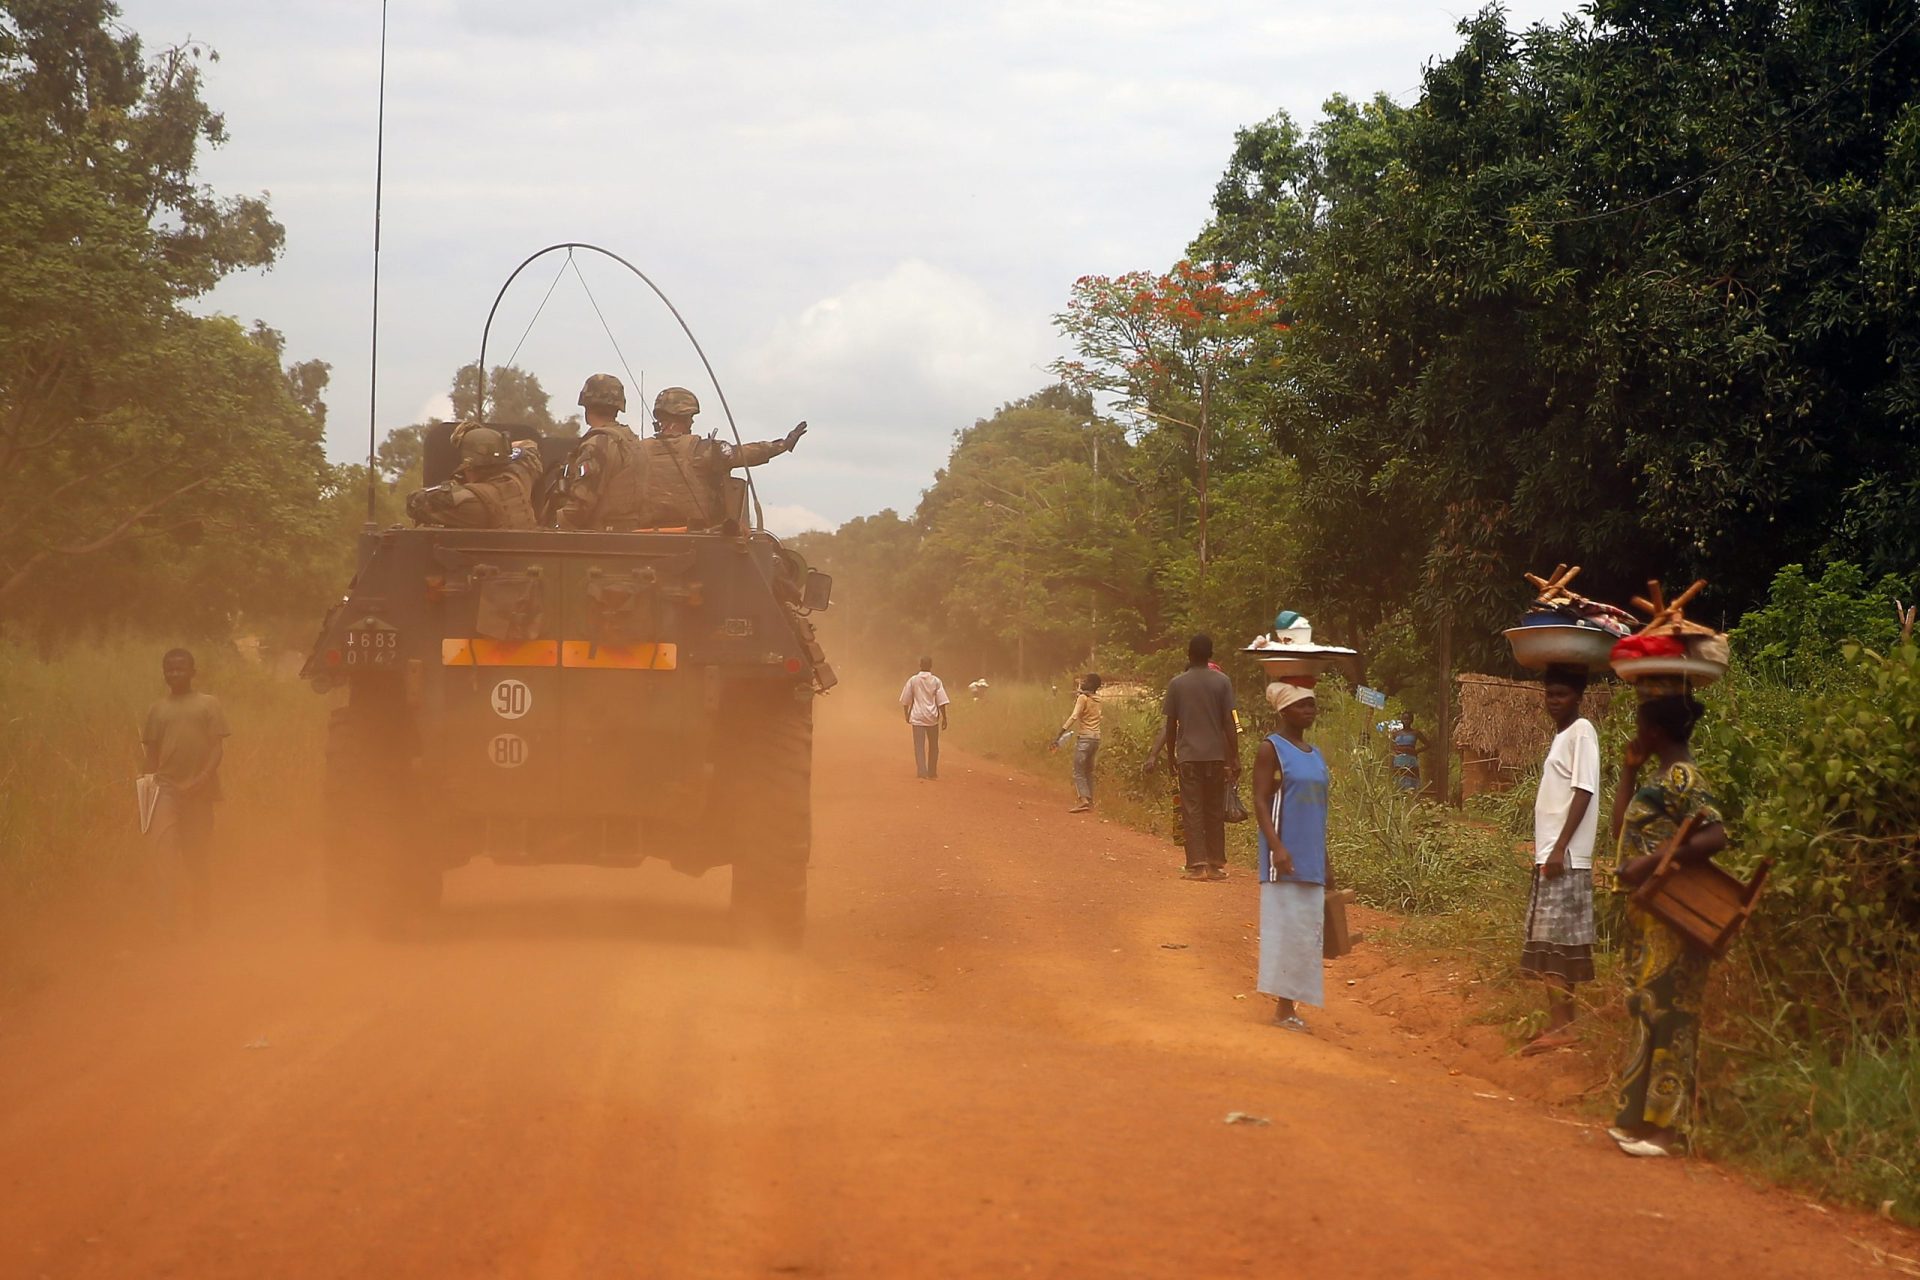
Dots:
pixel 513 396
pixel 1169 348
pixel 123 418
pixel 1628 293
pixel 403 451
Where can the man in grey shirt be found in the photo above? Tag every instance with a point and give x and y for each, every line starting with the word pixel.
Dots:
pixel 1205 757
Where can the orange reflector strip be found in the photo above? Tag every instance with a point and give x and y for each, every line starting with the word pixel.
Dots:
pixel 480 652
pixel 621 657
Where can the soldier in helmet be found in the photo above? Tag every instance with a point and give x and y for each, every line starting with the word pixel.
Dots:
pixel 682 476
pixel 492 488
pixel 590 499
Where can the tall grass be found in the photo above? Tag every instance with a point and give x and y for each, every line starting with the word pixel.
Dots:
pixel 1845 1121
pixel 1017 722
pixel 1397 853
pixel 70 749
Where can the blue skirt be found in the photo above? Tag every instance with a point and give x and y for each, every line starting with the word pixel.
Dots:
pixel 1292 923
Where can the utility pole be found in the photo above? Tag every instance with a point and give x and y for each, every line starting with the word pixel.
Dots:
pixel 1443 769
pixel 1093 593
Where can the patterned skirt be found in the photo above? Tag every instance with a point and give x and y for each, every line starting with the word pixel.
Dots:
pixel 1667 991
pixel 1560 926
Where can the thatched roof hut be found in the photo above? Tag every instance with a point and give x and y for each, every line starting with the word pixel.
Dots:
pixel 1502 731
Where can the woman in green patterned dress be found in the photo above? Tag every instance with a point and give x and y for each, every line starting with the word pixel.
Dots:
pixel 1667 976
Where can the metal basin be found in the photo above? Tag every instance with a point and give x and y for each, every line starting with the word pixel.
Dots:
pixel 1556 645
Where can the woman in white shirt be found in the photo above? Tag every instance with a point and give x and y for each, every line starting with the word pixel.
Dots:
pixel 1559 944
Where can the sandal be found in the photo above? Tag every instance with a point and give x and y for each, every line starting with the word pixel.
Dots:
pixel 1293 1022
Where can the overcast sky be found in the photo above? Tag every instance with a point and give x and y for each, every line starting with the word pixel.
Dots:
pixel 867 212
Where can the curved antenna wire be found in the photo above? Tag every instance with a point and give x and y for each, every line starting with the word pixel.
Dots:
pixel 595 304
pixel 551 285
pixel 753 490
pixel 373 356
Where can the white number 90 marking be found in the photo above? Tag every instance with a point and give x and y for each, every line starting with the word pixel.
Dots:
pixel 512 699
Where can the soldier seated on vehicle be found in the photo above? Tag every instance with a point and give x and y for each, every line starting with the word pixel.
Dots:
pixel 680 479
pixel 587 494
pixel 492 488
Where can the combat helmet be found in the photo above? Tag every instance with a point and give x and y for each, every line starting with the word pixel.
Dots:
pixel 605 390
pixel 482 446
pixel 677 401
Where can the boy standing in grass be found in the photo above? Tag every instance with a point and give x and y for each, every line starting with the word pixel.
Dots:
pixel 184 735
pixel 1559 945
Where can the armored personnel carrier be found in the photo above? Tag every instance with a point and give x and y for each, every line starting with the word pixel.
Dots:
pixel 540 696
pixel 549 696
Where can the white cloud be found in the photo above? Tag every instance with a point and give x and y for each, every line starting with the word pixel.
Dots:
pixel 785 521
pixel 866 211
pixel 914 337
pixel 886 369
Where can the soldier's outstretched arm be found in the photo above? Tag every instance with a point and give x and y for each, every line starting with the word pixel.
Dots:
pixel 762 451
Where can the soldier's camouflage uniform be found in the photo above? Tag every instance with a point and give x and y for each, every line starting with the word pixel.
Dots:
pixel 603 455
pixel 492 497
pixel 680 481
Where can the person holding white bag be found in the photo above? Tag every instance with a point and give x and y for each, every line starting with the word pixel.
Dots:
pixel 1083 727
pixel 184 738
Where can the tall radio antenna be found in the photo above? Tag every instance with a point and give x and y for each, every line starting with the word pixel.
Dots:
pixel 379 169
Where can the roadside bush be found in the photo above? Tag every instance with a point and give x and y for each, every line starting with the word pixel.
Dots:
pixel 1793 638
pixel 1832 795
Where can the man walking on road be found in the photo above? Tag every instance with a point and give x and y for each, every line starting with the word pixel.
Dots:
pixel 184 736
pixel 925 701
pixel 1205 756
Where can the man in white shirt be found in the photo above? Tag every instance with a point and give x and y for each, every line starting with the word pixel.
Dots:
pixel 925 701
pixel 1559 945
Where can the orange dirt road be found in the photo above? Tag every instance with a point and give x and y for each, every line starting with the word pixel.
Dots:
pixel 987 1063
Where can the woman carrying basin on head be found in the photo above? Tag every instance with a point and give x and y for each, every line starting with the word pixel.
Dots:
pixel 1290 800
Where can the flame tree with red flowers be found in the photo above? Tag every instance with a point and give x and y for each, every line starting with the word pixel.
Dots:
pixel 1171 350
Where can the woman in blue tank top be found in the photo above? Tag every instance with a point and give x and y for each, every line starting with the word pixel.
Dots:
pixel 1290 801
